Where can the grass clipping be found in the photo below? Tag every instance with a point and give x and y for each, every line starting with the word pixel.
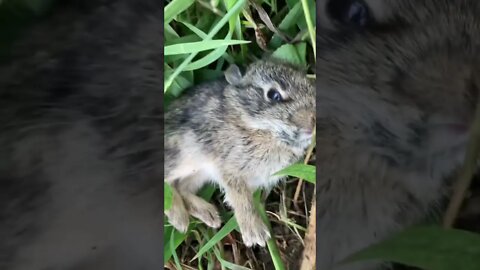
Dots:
pixel 309 252
pixel 467 172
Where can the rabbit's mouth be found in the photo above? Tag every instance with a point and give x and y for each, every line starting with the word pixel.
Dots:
pixel 447 137
pixel 447 131
pixel 299 138
pixel 453 128
pixel 288 134
pixel 305 135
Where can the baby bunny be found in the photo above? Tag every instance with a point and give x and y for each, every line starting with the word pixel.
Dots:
pixel 236 132
pixel 397 84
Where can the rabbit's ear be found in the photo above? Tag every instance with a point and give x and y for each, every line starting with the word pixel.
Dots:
pixel 233 75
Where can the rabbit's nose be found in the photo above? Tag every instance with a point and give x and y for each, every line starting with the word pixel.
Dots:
pixel 304 120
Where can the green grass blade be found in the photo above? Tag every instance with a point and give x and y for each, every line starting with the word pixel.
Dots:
pixel 236 27
pixel 310 25
pixel 229 4
pixel 207 192
pixel 302 52
pixel 194 47
pixel 174 8
pixel 292 17
pixel 301 22
pixel 195 30
pixel 170 33
pixel 211 263
pixel 224 231
pixel 214 3
pixel 302 171
pixel 176 238
pixel 200 237
pixel 179 84
pixel 209 58
pixel 227 264
pixel 232 266
pixel 182 39
pixel 167 233
pixel 288 23
pixel 167 196
pixel 174 253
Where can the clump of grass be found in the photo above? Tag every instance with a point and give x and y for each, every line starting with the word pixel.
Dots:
pixel 201 39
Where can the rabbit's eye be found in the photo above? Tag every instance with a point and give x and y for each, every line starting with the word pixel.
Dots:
pixel 350 12
pixel 274 95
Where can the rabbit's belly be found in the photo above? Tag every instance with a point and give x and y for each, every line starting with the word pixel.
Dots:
pixel 262 175
pixel 263 182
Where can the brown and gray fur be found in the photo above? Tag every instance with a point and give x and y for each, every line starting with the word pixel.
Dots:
pixel 395 101
pixel 80 140
pixel 230 133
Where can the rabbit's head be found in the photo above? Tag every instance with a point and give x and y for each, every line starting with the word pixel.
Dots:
pixel 398 78
pixel 274 97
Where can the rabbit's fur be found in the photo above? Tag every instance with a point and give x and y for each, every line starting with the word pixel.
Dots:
pixel 230 133
pixel 395 100
pixel 80 140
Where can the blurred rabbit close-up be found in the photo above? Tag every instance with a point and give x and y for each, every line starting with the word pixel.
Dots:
pixel 80 137
pixel 397 88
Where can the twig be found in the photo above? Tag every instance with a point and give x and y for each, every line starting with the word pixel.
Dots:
pixel 466 174
pixel 170 266
pixel 266 19
pixel 309 252
pixel 297 191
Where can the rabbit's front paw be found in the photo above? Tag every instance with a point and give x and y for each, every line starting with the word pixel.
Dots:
pixel 254 231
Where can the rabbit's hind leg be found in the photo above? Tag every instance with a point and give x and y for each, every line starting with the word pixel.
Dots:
pixel 196 206
pixel 204 211
pixel 178 215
